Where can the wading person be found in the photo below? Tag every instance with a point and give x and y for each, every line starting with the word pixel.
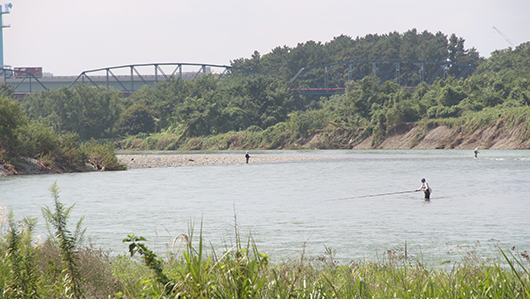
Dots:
pixel 476 152
pixel 425 188
pixel 247 156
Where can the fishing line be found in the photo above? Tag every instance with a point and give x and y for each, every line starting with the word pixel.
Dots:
pixel 371 195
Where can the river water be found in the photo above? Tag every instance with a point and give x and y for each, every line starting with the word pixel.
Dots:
pixel 303 207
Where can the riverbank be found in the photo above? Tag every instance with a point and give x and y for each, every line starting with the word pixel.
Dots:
pixel 499 134
pixel 133 161
pixel 29 166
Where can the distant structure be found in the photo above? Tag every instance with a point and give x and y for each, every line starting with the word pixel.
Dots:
pixel 505 37
pixel 8 7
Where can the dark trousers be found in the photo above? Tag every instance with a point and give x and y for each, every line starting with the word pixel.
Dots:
pixel 427 193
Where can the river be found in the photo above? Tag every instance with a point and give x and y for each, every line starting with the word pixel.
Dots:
pixel 303 207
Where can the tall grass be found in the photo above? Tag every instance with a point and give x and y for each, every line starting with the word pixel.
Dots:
pixel 57 268
pixel 18 271
pixel 244 272
pixel 67 241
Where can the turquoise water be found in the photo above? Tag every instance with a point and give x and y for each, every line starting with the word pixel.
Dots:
pixel 290 208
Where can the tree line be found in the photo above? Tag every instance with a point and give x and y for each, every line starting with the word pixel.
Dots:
pixel 284 62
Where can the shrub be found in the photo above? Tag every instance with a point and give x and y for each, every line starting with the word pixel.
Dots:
pixel 102 156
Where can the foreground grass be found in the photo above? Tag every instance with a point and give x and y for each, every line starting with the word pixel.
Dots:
pixel 244 272
pixel 62 268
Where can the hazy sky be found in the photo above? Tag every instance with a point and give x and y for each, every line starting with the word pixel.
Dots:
pixel 66 37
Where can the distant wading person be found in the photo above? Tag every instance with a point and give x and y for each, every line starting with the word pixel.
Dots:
pixel 247 156
pixel 425 188
pixel 476 152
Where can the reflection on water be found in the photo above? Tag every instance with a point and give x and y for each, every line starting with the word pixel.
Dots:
pixel 291 207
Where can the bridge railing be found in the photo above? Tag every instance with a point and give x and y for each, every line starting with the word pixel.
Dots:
pixel 332 78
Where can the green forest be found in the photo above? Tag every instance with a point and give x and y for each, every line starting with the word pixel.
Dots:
pixel 260 112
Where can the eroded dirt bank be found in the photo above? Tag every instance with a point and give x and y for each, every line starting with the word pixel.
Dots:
pixel 410 136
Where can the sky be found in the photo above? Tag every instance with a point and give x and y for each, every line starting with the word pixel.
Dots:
pixel 66 37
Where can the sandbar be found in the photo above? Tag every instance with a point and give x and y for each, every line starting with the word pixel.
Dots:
pixel 134 161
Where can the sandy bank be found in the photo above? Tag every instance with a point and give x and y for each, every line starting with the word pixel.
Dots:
pixel 154 161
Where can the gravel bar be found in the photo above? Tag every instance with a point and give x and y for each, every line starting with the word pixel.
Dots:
pixel 157 161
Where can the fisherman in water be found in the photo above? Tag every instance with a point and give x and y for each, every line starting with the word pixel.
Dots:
pixel 425 188
pixel 247 156
pixel 476 152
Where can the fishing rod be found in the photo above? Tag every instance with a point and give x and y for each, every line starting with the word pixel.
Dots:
pixel 371 195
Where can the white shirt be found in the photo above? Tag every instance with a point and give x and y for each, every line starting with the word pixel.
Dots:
pixel 424 186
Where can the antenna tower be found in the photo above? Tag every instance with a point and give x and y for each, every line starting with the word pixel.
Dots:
pixel 7 9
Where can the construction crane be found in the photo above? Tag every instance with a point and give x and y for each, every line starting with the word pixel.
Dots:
pixel 504 36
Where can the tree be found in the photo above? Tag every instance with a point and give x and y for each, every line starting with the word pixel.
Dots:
pixel 265 100
pixel 12 118
pixel 136 119
pixel 6 89
pixel 89 111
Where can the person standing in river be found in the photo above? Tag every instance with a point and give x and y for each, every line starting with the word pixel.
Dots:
pixel 247 156
pixel 425 188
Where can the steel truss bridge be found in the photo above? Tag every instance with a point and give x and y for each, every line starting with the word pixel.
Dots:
pixel 331 79
pixel 125 78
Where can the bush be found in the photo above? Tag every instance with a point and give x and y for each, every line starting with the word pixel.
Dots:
pixel 37 140
pixel 306 123
pixel 102 156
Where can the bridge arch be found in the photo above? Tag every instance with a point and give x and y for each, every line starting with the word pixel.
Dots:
pixel 331 79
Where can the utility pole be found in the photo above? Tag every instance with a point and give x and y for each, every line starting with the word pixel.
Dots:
pixel 8 7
